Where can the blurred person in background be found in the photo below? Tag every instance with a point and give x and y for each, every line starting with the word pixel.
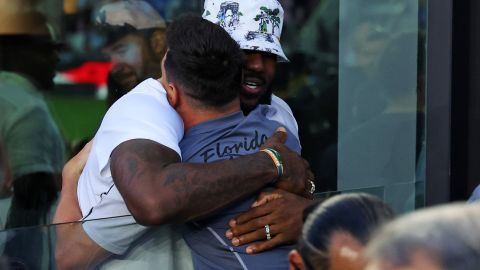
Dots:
pixel 135 44
pixel 438 238
pixel 32 142
pixel 337 230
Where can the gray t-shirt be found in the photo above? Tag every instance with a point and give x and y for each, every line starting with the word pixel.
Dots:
pixel 227 138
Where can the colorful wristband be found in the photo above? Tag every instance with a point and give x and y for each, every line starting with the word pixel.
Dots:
pixel 276 158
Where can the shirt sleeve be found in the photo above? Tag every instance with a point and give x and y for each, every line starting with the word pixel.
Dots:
pixel 137 116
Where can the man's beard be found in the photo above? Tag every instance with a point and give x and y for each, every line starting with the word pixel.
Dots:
pixel 265 98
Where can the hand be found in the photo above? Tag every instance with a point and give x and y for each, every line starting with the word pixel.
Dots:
pixel 296 174
pixel 74 167
pixel 282 210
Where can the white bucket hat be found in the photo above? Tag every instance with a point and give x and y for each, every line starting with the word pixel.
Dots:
pixel 254 24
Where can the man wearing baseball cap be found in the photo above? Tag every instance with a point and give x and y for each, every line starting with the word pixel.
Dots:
pixel 135 44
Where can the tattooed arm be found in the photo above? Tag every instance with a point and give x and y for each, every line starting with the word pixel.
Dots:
pixel 157 189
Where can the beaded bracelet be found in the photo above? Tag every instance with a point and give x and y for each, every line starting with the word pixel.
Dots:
pixel 276 158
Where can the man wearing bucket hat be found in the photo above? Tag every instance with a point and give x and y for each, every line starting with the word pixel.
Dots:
pixel 256 25
pixel 135 44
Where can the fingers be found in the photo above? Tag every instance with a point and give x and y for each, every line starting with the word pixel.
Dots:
pixel 265 245
pixel 252 214
pixel 280 136
pixel 257 235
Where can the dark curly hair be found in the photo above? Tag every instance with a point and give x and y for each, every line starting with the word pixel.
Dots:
pixel 203 60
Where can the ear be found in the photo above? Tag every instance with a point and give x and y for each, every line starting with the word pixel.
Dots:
pixel 158 43
pixel 173 95
pixel 295 261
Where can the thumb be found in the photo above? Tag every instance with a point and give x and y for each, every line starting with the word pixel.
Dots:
pixel 280 136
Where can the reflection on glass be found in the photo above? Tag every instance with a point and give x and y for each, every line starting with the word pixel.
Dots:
pixel 381 90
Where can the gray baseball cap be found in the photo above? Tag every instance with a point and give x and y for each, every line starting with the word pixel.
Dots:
pixel 137 14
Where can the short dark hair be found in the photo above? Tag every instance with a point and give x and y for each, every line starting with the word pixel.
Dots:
pixel 357 214
pixel 203 60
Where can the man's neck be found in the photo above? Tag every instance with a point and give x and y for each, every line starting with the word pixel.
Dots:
pixel 193 116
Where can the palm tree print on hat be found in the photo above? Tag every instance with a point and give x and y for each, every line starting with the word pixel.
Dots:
pixel 266 17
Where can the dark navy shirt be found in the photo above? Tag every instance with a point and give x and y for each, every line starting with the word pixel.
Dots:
pixel 227 138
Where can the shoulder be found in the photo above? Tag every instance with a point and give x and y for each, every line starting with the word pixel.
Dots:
pixel 264 118
pixel 146 103
pixel 280 104
pixel 18 96
pixel 280 112
pixel 143 113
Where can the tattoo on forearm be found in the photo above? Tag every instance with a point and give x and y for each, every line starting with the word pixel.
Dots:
pixel 144 168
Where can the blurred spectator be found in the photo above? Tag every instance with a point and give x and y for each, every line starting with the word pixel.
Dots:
pixel 337 230
pixel 135 44
pixel 33 145
pixel 31 139
pixel 440 238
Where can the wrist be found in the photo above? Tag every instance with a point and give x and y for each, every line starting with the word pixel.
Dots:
pixel 262 167
pixel 276 158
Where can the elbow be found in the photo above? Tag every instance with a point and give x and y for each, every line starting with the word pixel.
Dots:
pixel 155 212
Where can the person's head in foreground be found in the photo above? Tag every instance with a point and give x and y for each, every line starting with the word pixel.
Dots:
pixel 256 26
pixel 437 238
pixel 202 68
pixel 337 230
pixel 135 35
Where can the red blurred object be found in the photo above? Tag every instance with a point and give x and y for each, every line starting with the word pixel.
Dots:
pixel 89 72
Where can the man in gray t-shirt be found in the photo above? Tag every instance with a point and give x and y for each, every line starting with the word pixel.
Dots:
pixel 223 138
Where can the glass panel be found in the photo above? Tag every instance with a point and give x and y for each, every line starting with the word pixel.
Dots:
pixel 381 98
pixel 35 247
pixel 357 89
pixel 356 84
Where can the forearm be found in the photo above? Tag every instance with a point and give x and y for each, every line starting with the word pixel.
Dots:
pixel 68 209
pixel 158 189
pixel 199 190
pixel 75 250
